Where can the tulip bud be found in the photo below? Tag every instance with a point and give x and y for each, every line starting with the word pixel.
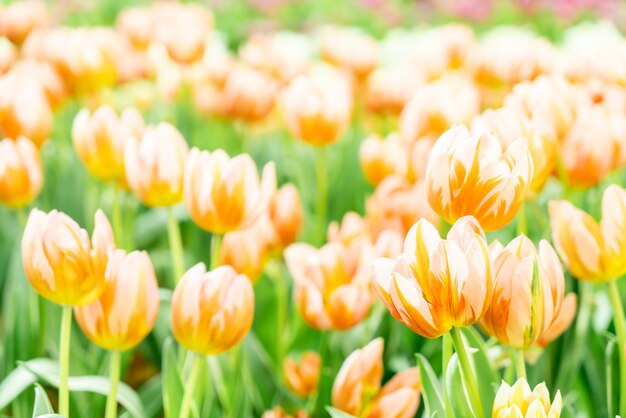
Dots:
pixel 285 212
pixel 59 260
pixel 399 397
pixel 155 165
pixel 212 311
pixel 359 378
pixel 382 158
pixel 24 110
pixel 225 194
pixel 19 19
pixel 248 94
pixel 246 250
pixel 437 284
pixel 21 172
pixel 470 174
pixel 353 51
pixel 125 312
pixel 302 377
pixel 519 401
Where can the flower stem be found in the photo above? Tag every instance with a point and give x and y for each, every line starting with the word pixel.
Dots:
pixel 520 365
pixel 446 353
pixel 176 246
pixel 64 361
pixel 216 250
pixel 274 272
pixel 620 328
pixel 114 377
pixel 190 386
pixel 321 169
pixel 522 225
pixel 467 373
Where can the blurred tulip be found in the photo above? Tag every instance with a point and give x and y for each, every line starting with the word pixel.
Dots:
pixel 359 378
pixel 285 212
pixel 125 312
pixel 388 90
pixel 470 174
pixel 351 50
pixel 100 138
pixel 519 401
pixel 212 311
pixel 225 194
pixel 136 24
pixel 278 412
pixel 560 322
pixel 418 159
pixel 317 107
pixel 333 284
pixel 248 94
pixel 383 157
pixel 443 48
pixel 399 397
pixel 60 262
pixel 28 71
pixel 591 251
pixel 21 172
pixel 246 250
pixel 155 165
pixel 417 287
pixel 302 377
pixel 8 54
pixel 528 292
pixel 19 19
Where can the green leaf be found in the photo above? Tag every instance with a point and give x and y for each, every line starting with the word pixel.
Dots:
pixel 172 383
pixel 486 377
pixel 456 392
pixel 42 403
pixel 150 394
pixel 15 383
pixel 431 388
pixel 336 413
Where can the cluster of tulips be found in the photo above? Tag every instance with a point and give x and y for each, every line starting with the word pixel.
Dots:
pixel 467 137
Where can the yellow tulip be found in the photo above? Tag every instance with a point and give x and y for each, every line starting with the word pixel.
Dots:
pixel 519 401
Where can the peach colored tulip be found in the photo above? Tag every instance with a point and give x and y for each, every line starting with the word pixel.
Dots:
pixel 418 159
pixel 470 174
pixel 442 48
pixel 317 107
pixel 100 138
pixel 302 377
pixel 19 19
pixel 278 412
pixel 285 213
pixel 528 292
pixel 125 312
pixel 381 158
pixel 248 94
pixel 155 165
pixel 388 90
pixel 212 311
pixel 399 397
pixel 28 71
pixel 224 194
pixel 21 172
pixel 136 24
pixel 519 401
pixel 353 51
pixel 560 322
pixel 333 289
pixel 59 260
pixel 592 251
pixel 417 287
pixel 359 378
pixel 247 250
pixel 355 231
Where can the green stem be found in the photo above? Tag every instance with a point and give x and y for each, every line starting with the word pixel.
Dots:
pixel 176 246
pixel 522 226
pixel 190 386
pixel 321 169
pixel 520 365
pixel 509 371
pixel 319 394
pixel 64 361
pixel 446 353
pixel 114 377
pixel 116 208
pixel 21 217
pixel 274 271
pixel 216 250
pixel 467 373
pixel 620 329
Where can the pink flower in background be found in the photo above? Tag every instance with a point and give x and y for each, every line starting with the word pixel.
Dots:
pixel 467 9
pixel 570 8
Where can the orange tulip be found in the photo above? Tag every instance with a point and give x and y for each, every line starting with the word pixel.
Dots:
pixel 248 94
pixel 437 284
pixel 19 19
pixel 21 172
pixel 100 138
pixel 247 250
pixel 591 251
pixel 59 260
pixel 528 292
pixel 285 213
pixel 333 288
pixel 225 194
pixel 355 52
pixel 519 401
pixel 317 107
pixel 470 174
pixel 212 311
pixel 399 397
pixel 302 377
pixel 278 412
pixel 125 312
pixel 359 378
pixel 382 158
pixel 155 165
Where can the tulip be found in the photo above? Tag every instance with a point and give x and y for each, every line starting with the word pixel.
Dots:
pixel 285 212
pixel 388 90
pixel 560 322
pixel 246 250
pixel 100 138
pixel 519 401
pixel 248 94
pixel 359 378
pixel 21 172
pixel 18 20
pixel 470 174
pixel 332 284
pixel 278 412
pixel 155 165
pixel 355 52
pixel 302 377
pixel 399 397
pixel 225 194
pixel 382 158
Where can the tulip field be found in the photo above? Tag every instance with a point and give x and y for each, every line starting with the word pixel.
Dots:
pixel 313 208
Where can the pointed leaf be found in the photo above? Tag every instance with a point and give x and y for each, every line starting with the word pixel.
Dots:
pixel 457 397
pixel 431 388
pixel 336 413
pixel 172 383
pixel 42 403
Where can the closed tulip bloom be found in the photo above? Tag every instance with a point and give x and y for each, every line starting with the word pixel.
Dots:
pixel 59 260
pixel 125 312
pixel 302 377
pixel 381 158
pixel 225 194
pixel 436 284
pixel 19 19
pixel 317 107
pixel 278 412
pixel 560 322
pixel 592 251
pixel 359 378
pixel 519 401
pixel 212 311
pixel 248 94
pixel 21 172
pixel 332 284
pixel 155 165
pixel 399 397
pixel 388 90
pixel 285 212
pixel 351 50
pixel 100 138
pixel 470 174
pixel 247 250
